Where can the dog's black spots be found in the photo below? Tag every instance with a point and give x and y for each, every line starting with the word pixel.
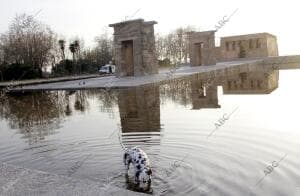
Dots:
pixel 149 172
pixel 140 162
pixel 137 174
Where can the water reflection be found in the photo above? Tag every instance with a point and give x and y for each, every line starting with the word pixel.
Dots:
pixel 204 95
pixel 140 115
pixel 38 115
pixel 201 90
pixel 252 83
pixel 81 104
pixel 213 166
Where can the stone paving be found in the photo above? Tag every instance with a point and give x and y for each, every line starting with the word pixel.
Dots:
pixel 17 181
pixel 123 82
pixel 167 75
pixel 48 80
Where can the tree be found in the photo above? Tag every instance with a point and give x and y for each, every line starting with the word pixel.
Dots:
pixel 28 42
pixel 174 45
pixel 77 48
pixel 62 45
pixel 104 49
pixel 72 49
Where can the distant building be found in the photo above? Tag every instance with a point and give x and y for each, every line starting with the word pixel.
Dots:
pixel 247 46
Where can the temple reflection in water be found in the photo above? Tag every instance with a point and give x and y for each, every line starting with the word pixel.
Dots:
pixel 252 83
pixel 140 115
pixel 204 95
pixel 38 115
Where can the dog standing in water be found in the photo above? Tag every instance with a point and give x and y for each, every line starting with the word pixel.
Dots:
pixel 141 165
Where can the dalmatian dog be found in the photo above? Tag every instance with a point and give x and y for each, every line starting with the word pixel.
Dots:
pixel 141 165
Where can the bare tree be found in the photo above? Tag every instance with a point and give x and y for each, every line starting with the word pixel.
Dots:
pixel 104 49
pixel 174 45
pixel 160 47
pixel 28 41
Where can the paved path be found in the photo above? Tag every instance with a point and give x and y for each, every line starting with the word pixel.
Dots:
pixel 17 181
pixel 167 75
pixel 48 80
pixel 114 82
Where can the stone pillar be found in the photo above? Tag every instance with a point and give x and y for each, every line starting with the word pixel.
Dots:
pixel 202 48
pixel 134 48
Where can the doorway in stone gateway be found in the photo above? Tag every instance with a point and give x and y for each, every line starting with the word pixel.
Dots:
pixel 198 53
pixel 127 57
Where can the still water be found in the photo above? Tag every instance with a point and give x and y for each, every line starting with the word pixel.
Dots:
pixel 235 135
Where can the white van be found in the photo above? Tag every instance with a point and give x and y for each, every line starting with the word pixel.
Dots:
pixel 107 69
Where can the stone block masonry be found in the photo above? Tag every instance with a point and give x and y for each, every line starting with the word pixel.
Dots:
pixel 134 48
pixel 202 48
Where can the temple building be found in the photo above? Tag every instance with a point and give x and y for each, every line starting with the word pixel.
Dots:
pixel 202 48
pixel 247 46
pixel 134 48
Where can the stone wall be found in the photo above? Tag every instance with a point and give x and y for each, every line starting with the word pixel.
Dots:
pixel 141 35
pixel 248 46
pixel 202 48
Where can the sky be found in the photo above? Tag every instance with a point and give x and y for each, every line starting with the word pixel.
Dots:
pixel 87 19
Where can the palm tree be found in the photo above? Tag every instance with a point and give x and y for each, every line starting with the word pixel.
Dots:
pixel 62 43
pixel 77 46
pixel 72 48
pixel 75 50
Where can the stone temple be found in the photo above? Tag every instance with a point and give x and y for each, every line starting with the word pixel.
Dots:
pixel 202 48
pixel 134 48
pixel 247 46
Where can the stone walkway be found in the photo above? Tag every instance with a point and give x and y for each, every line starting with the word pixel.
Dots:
pixel 48 80
pixel 114 82
pixel 167 75
pixel 17 181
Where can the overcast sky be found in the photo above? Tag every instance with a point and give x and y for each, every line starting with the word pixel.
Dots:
pixel 88 18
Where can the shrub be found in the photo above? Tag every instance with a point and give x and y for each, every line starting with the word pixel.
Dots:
pixel 164 63
pixel 19 71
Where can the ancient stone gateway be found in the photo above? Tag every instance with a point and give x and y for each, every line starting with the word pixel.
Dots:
pixel 202 48
pixel 134 47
